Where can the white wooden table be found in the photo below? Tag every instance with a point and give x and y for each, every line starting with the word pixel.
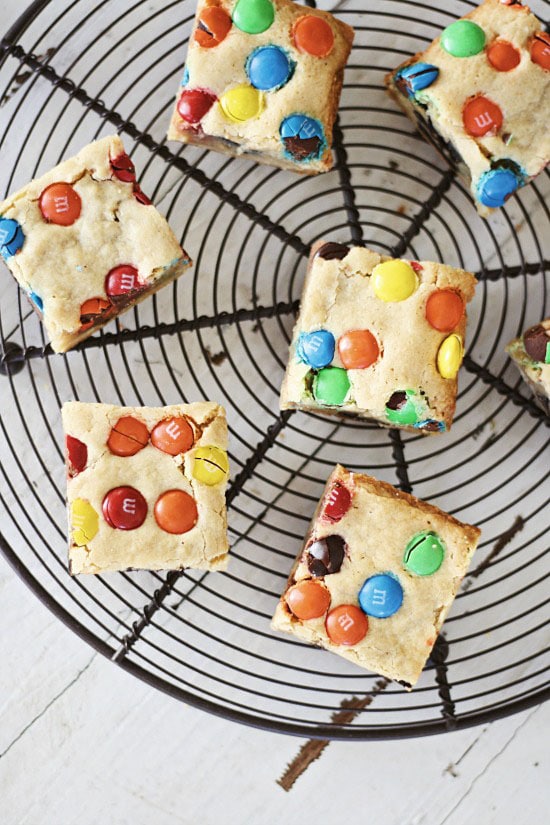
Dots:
pixel 83 742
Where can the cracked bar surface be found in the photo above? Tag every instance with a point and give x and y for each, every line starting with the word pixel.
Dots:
pixel 104 455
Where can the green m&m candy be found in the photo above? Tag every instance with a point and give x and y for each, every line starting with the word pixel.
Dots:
pixel 331 386
pixel 404 407
pixel 253 16
pixel 463 39
pixel 424 553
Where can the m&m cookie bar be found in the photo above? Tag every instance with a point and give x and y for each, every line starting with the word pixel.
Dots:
pixel 85 243
pixel 531 355
pixel 380 338
pixel 480 93
pixel 146 487
pixel 376 577
pixel 263 79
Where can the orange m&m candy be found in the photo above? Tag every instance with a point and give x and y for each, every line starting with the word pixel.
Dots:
pixel 176 512
pixel 173 436
pixel 91 310
pixel 444 310
pixel 481 116
pixel 503 56
pixel 313 35
pixel 346 625
pixel 212 27
pixel 308 599
pixel 540 50
pixel 358 349
pixel 60 203
pixel 128 436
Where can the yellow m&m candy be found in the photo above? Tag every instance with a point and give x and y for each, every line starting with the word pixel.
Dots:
pixel 242 103
pixel 394 281
pixel 211 465
pixel 449 356
pixel 84 522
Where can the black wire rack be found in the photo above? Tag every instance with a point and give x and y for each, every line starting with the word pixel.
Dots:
pixel 71 72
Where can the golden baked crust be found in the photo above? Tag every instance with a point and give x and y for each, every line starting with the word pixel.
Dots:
pixel 376 529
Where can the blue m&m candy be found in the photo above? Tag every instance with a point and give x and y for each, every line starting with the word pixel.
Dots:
pixel 495 187
pixel 11 237
pixel 381 596
pixel 302 136
pixel 417 77
pixel 185 78
pixel 37 301
pixel 316 349
pixel 268 68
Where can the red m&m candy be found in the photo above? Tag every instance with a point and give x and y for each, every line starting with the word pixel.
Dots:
pixel 60 204
pixel 176 512
pixel 128 437
pixel 358 349
pixel 77 455
pixel 141 197
pixel 213 26
pixel 540 50
pixel 313 35
pixel 481 116
pixel 123 168
pixel 444 310
pixel 121 280
pixel 337 503
pixel 308 599
pixel 173 436
pixel 194 104
pixel 124 508
pixel 346 625
pixel 503 56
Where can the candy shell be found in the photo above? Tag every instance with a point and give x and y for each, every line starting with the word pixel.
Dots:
pixel 540 50
pixel 308 599
pixel 253 16
pixel 358 349
pixel 302 137
pixel 331 386
pixel 444 310
pixel 325 556
pixel 424 553
pixel 495 187
pixel 449 356
pixel 316 348
pixel 381 596
pixel 480 116
pixel 346 625
pixel 503 56
pixel 123 168
pixel 403 407
pixel 313 35
pixel 242 103
pixel 60 203
pixel 416 77
pixel 92 310
pixel 268 68
pixel 176 512
pixel 77 455
pixel 173 435
pixel 394 281
pixel 332 252
pixel 140 196
pixel 536 341
pixel 84 522
pixel 12 237
pixel 213 26
pixel 463 38
pixel 210 465
pixel 337 503
pixel 124 508
pixel 127 437
pixel 194 104
pixel 37 301
pixel 121 281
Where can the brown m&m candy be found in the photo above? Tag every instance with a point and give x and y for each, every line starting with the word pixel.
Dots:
pixel 124 508
pixel 346 625
pixel 176 512
pixel 325 556
pixel 60 203
pixel 536 341
pixel 77 455
pixel 123 168
pixel 332 251
pixel 308 599
pixel 128 437
pixel 173 435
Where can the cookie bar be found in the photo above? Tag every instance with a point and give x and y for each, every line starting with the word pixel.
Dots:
pixel 531 355
pixel 263 79
pixel 378 338
pixel 145 487
pixel 376 577
pixel 85 243
pixel 479 93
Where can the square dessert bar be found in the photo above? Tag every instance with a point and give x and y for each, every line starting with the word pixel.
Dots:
pixel 378 338
pixel 479 93
pixel 531 355
pixel 376 577
pixel 85 243
pixel 145 487
pixel 263 79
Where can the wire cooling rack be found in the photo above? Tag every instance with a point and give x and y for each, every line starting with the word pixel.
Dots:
pixel 73 71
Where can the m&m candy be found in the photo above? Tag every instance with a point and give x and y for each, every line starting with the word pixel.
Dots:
pixel 346 625
pixel 176 512
pixel 308 599
pixel 242 103
pixel 128 437
pixel 92 310
pixel 481 116
pixel 316 348
pixel 540 50
pixel 37 301
pixel 194 104
pixel 253 16
pixel 121 281
pixel 77 455
pixel 213 26
pixel 331 386
pixel 381 596
pixel 123 168
pixel 140 196
pixel 444 310
pixel 495 187
pixel 424 553
pixel 337 504
pixel 394 281
pixel 503 56
pixel 84 522
pixel 302 137
pixel 463 38
pixel 268 68
pixel 124 508
pixel 449 356
pixel 416 77
pixel 358 349
pixel 173 435
pixel 332 251
pixel 403 407
pixel 210 465
pixel 60 203
pixel 325 556
pixel 536 341
pixel 313 35
pixel 12 237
